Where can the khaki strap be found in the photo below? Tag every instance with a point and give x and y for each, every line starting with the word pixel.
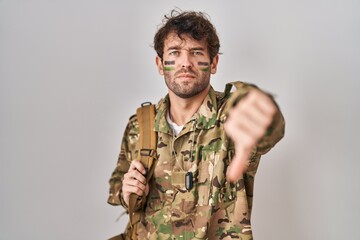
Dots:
pixel 147 139
pixel 117 237
pixel 146 155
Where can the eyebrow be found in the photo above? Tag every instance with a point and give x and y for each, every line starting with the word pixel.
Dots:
pixel 190 49
pixel 173 48
pixel 197 48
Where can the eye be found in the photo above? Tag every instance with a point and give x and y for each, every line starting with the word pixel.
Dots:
pixel 174 53
pixel 198 53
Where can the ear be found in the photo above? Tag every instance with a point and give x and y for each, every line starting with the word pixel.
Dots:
pixel 159 65
pixel 214 64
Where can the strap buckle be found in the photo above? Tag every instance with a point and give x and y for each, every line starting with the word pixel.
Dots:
pixel 147 152
pixel 145 104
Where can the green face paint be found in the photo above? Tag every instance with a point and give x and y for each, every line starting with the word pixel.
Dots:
pixel 169 68
pixel 205 69
pixel 204 66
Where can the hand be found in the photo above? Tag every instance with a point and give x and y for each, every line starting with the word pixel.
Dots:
pixel 247 122
pixel 134 181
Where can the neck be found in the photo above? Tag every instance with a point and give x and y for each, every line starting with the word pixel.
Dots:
pixel 182 109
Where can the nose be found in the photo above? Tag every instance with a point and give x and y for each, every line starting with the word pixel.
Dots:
pixel 186 60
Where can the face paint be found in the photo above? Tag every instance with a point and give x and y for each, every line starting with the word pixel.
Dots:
pixel 205 67
pixel 169 62
pixel 203 64
pixel 169 68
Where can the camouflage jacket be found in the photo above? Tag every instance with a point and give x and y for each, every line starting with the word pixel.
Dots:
pixel 213 208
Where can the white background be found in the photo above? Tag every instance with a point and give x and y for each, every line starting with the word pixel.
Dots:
pixel 72 72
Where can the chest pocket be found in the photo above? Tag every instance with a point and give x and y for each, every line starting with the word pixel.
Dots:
pixel 211 182
pixel 205 177
pixel 222 191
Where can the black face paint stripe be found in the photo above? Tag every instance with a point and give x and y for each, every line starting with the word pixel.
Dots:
pixel 169 62
pixel 203 64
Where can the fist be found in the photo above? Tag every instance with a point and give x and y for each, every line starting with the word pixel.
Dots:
pixel 134 181
pixel 247 122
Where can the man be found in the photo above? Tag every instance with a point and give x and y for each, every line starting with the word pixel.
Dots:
pixel 217 138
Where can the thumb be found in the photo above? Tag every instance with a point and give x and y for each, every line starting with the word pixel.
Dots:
pixel 238 165
pixel 147 188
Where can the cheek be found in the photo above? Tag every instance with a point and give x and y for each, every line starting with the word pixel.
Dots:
pixel 168 69
pixel 169 63
pixel 169 66
pixel 168 75
pixel 204 69
pixel 203 66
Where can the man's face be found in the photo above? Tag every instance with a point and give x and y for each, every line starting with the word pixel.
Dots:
pixel 186 65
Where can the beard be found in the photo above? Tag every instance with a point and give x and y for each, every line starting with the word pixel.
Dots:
pixel 188 88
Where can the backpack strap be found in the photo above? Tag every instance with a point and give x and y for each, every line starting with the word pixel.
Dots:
pixel 146 155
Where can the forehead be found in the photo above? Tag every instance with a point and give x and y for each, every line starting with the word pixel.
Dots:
pixel 186 41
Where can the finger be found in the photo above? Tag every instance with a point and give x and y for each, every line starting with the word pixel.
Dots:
pixel 134 183
pixel 249 136
pixel 240 135
pixel 134 174
pixel 132 186
pixel 257 104
pixel 147 188
pixel 126 198
pixel 263 102
pixel 250 127
pixel 133 189
pixel 251 118
pixel 135 164
pixel 253 113
pixel 238 165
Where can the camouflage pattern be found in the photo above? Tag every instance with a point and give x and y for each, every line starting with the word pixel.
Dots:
pixel 213 208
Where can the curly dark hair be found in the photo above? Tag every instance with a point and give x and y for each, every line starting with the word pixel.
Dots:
pixel 195 24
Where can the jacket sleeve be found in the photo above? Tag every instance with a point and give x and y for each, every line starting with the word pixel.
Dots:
pixel 127 154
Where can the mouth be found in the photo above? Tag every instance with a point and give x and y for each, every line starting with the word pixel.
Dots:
pixel 186 76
